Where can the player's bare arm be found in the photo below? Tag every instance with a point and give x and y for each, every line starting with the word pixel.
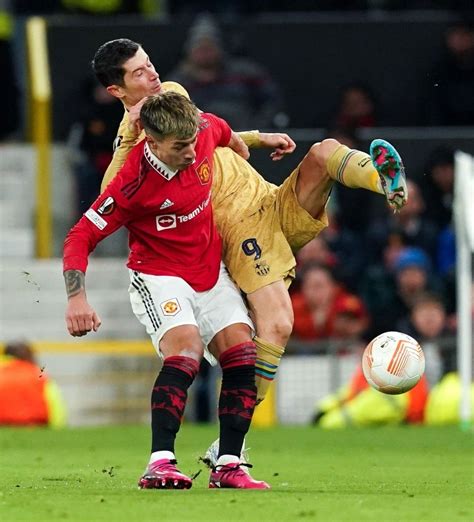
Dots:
pixel 80 317
pixel 75 282
pixel 237 144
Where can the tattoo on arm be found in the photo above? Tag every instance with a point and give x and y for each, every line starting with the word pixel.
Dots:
pixel 75 282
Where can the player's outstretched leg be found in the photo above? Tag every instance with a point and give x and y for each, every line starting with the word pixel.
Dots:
pixel 388 163
pixel 163 474
pixel 382 171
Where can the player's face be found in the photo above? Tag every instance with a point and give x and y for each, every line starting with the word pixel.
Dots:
pixel 177 154
pixel 140 80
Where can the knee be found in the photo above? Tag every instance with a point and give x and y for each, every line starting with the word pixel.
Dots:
pixel 282 331
pixel 320 152
pixel 277 330
pixel 188 349
pixel 184 342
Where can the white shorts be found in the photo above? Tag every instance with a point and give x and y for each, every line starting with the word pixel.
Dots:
pixel 164 302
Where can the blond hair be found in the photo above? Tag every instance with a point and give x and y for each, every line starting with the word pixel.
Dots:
pixel 169 115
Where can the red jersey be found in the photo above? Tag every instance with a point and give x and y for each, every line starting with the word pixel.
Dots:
pixel 168 214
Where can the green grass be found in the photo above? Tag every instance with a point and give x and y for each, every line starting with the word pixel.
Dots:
pixel 399 474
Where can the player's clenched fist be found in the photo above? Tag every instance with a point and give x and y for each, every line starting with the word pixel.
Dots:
pixel 280 142
pixel 81 318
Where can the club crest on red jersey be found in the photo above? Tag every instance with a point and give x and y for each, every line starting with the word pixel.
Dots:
pixel 166 221
pixel 204 171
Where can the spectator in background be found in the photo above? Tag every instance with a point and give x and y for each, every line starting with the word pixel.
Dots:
pixel 448 98
pixel 91 140
pixel 356 108
pixel 438 186
pixel 323 309
pixel 410 223
pixel 351 319
pixel 357 404
pixel 444 401
pixel 412 269
pixel 28 397
pixel 409 278
pixel 427 323
pixel 336 247
pixel 446 252
pixel 317 251
pixel 439 194
pixel 236 89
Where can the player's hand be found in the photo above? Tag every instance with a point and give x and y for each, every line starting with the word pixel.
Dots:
pixel 81 318
pixel 279 141
pixel 238 145
pixel 134 123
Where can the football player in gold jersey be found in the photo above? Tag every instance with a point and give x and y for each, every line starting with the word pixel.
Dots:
pixel 262 225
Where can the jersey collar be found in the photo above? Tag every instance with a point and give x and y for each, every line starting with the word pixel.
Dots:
pixel 158 165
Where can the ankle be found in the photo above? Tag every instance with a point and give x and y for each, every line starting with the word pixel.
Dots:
pixel 225 460
pixel 161 455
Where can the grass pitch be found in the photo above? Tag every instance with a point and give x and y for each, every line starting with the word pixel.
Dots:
pixel 385 474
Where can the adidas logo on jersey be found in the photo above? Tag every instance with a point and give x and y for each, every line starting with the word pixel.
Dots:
pixel 166 203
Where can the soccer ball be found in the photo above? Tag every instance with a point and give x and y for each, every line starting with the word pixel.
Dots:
pixel 393 363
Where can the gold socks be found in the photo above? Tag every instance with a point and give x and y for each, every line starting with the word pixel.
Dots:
pixel 353 169
pixel 268 360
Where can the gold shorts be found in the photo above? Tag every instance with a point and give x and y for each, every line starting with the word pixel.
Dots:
pixel 259 248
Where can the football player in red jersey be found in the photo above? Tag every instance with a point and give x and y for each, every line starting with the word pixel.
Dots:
pixel 180 290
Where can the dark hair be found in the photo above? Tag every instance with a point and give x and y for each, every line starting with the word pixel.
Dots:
pixel 109 58
pixel 316 265
pixel 20 350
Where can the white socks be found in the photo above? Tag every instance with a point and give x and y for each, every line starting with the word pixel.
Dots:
pixel 223 460
pixel 160 455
